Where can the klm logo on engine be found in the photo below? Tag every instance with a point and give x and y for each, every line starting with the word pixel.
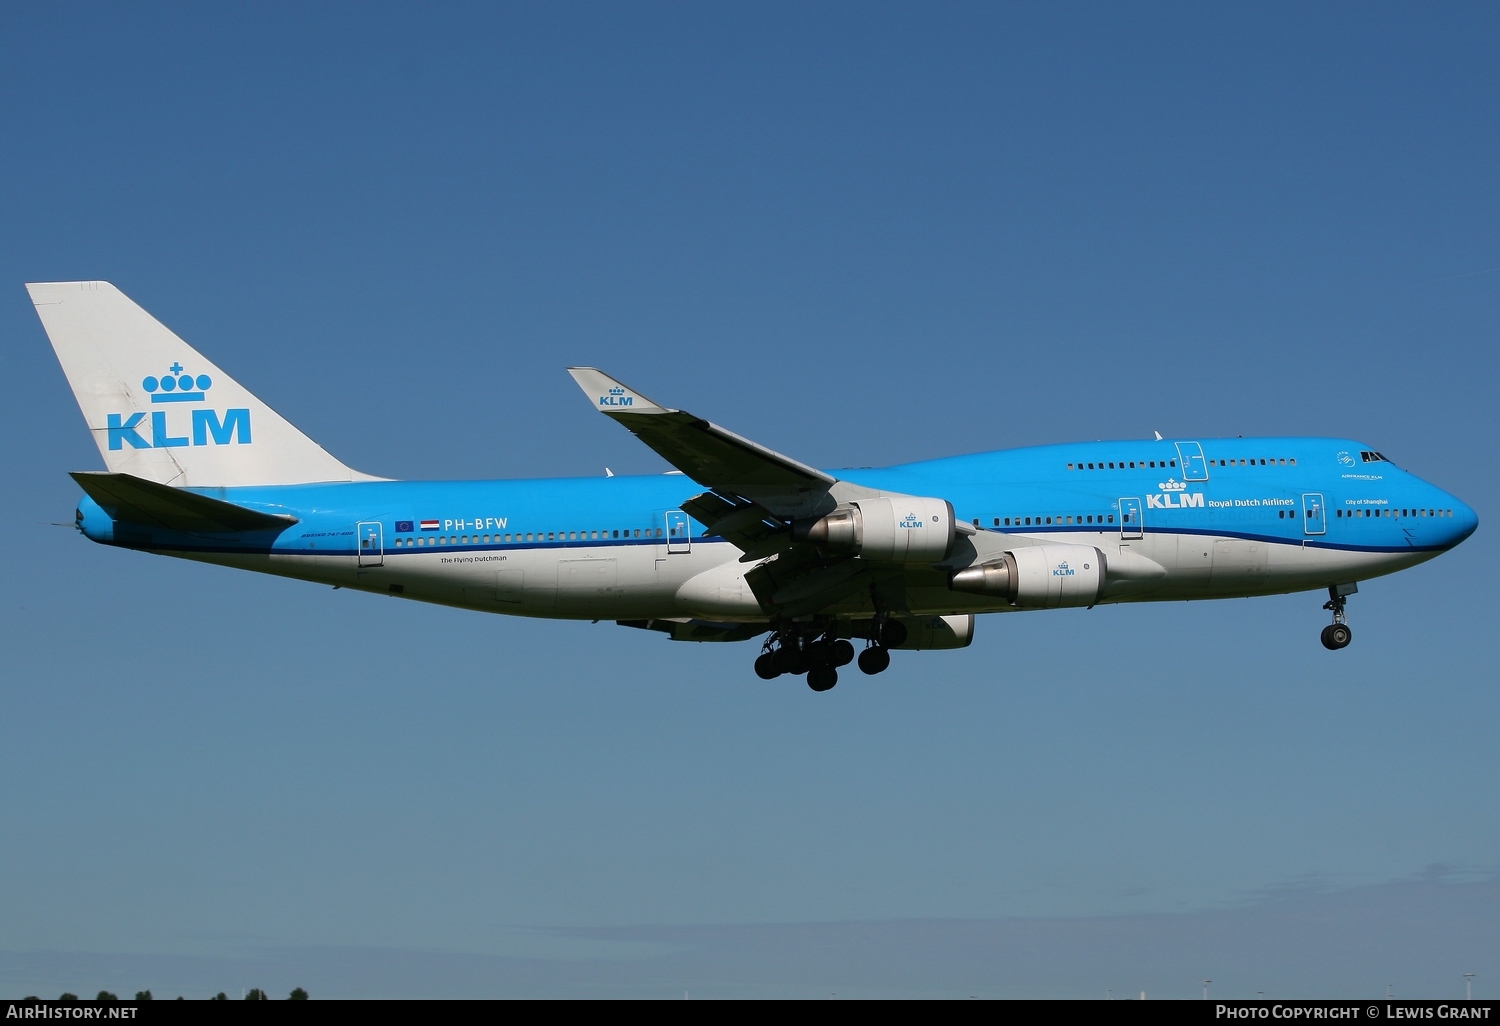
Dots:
pixel 1174 495
pixel 233 427
pixel 1064 570
pixel 910 521
pixel 617 397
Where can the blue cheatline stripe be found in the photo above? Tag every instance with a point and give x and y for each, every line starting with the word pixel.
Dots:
pixel 264 550
pixel 1311 541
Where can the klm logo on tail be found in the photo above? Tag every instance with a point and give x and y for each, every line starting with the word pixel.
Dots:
pixel 178 387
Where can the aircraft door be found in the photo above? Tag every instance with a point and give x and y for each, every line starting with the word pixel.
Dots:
pixel 371 546
pixel 1314 516
pixel 678 532
pixel 1130 518
pixel 1194 466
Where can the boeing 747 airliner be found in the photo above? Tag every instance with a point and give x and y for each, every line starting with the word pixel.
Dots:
pixel 739 542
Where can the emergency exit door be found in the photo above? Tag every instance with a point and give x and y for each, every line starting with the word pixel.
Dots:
pixel 1314 516
pixel 371 546
pixel 677 532
pixel 1194 466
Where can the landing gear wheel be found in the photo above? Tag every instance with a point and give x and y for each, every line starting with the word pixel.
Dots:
pixel 765 666
pixel 874 660
pixel 821 678
pixel 892 634
pixel 1337 636
pixel 841 653
pixel 789 660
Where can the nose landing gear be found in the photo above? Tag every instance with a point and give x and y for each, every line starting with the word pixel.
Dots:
pixel 1337 635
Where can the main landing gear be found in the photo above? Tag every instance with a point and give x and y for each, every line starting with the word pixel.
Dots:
pixel 819 654
pixel 1337 635
pixel 887 634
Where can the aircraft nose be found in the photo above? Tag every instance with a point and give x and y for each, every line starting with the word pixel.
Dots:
pixel 1462 524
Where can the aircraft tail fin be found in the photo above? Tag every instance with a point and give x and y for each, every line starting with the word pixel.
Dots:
pixel 159 410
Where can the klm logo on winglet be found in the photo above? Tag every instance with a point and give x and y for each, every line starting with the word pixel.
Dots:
pixel 616 397
pixel 1174 495
pixel 178 387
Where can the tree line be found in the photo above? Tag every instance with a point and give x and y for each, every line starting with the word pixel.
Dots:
pixel 253 994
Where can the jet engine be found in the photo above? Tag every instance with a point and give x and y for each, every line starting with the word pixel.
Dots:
pixel 1041 576
pixel 933 632
pixel 896 530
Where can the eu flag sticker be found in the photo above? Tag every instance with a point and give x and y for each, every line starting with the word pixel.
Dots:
pixel 402 526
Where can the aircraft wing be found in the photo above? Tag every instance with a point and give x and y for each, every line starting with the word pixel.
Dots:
pixel 734 467
pixel 138 501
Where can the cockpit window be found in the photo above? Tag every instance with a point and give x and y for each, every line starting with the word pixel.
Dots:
pixel 1369 456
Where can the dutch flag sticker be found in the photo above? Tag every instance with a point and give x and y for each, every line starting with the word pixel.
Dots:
pixel 430 525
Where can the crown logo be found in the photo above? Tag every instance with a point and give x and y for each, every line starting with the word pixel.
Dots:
pixel 1172 485
pixel 177 387
pixel 616 391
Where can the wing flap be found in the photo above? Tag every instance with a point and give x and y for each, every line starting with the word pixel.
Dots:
pixel 137 501
pixel 744 524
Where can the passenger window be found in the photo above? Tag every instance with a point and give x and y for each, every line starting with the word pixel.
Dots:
pixel 1070 466
pixel 1111 518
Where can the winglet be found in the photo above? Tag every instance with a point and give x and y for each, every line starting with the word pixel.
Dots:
pixel 609 395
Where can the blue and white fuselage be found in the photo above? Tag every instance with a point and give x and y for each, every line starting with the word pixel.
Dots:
pixel 741 541
pixel 1251 528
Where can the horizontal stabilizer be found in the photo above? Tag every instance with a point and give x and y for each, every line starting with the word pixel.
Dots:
pixel 137 501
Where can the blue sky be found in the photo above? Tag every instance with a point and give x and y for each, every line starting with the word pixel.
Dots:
pixel 860 235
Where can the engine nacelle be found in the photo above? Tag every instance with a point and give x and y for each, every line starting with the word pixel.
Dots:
pixel 893 530
pixel 1041 576
pixel 932 632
